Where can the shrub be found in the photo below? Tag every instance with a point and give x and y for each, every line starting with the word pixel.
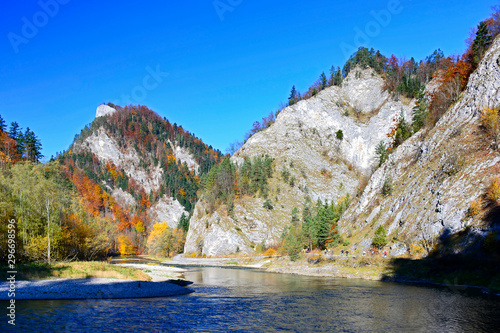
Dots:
pixel 340 135
pixel 314 257
pixel 380 239
pixel 475 207
pixel 270 252
pixel 493 191
pixel 387 187
pixel 346 242
pixel 490 122
pixel 267 204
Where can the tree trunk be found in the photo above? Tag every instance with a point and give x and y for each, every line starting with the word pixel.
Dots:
pixel 48 230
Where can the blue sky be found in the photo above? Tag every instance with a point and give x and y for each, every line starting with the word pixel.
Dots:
pixel 217 65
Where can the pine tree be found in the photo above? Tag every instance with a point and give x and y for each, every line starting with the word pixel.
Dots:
pixel 481 42
pixel 337 80
pixel 332 76
pixel 15 132
pixel 323 81
pixel 32 146
pixel 293 96
pixel 381 151
pixel 2 124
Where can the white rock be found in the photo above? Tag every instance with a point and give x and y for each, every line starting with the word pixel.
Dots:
pixel 104 110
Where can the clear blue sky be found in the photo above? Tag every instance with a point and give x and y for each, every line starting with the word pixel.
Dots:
pixel 227 67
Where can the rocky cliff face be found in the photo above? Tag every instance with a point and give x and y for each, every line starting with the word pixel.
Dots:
pixel 303 141
pixel 435 175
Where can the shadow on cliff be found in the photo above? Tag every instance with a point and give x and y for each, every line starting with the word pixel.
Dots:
pixel 469 257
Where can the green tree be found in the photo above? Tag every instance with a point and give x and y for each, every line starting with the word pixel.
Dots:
pixel 403 130
pixel 337 80
pixel 32 146
pixel 340 135
pixel 183 223
pixel 292 243
pixel 380 239
pixel 292 99
pixel 15 133
pixel 381 152
pixel 2 124
pixel 420 112
pixel 481 43
pixel 323 81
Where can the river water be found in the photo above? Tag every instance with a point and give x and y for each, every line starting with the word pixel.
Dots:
pixel 245 300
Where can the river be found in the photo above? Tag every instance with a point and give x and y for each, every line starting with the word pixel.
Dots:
pixel 247 300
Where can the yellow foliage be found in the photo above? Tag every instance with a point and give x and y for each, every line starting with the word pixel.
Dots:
pixel 164 241
pixel 140 227
pixel 493 191
pixel 270 252
pixel 475 207
pixel 490 121
pixel 126 246
pixel 158 230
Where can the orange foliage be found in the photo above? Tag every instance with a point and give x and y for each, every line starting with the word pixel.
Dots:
pixel 182 191
pixel 145 200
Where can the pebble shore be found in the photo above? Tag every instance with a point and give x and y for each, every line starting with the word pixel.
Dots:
pixel 94 288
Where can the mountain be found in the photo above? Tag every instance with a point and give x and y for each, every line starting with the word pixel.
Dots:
pixel 140 169
pixel 325 148
pixel 304 144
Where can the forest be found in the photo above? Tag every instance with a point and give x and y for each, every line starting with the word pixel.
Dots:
pixel 64 209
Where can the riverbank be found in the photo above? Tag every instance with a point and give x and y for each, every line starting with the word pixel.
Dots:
pixel 458 273
pixel 93 280
pixel 93 288
pixel 74 270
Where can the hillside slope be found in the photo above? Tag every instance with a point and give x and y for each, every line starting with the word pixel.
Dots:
pixel 147 169
pixel 435 175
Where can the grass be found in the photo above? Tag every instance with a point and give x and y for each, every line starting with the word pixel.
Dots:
pixel 75 270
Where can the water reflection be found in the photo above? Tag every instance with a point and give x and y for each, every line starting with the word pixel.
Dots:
pixel 255 301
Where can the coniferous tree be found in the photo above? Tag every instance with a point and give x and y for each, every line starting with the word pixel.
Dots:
pixel 481 42
pixel 2 124
pixel 337 80
pixel 323 81
pixel 15 132
pixel 32 146
pixel 293 96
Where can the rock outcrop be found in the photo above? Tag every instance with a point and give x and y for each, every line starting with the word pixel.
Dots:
pixel 104 110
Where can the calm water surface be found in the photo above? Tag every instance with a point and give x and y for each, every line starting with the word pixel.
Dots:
pixel 253 301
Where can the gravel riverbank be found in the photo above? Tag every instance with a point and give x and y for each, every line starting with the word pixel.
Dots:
pixel 95 288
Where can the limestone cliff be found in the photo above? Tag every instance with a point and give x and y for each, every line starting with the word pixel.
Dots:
pixel 303 141
pixel 435 175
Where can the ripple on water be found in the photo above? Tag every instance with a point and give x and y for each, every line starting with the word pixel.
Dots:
pixel 255 301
